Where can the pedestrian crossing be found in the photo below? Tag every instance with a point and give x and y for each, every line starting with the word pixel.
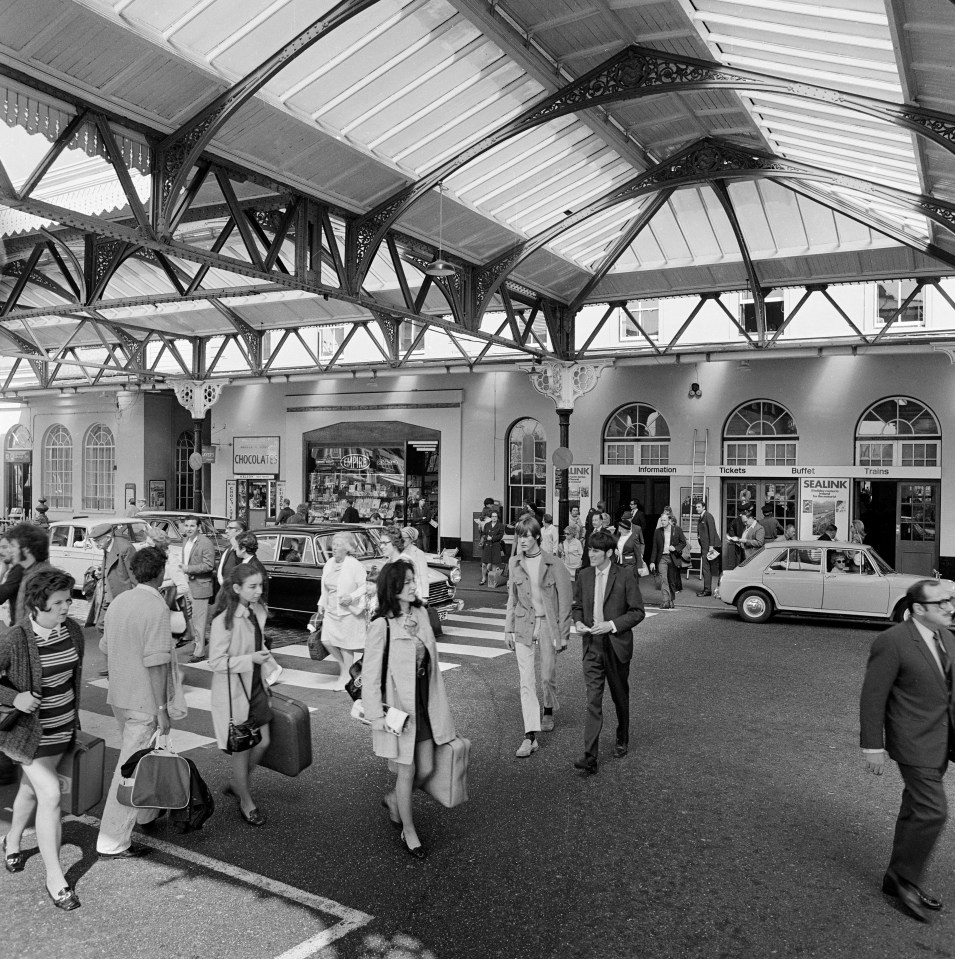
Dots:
pixel 473 635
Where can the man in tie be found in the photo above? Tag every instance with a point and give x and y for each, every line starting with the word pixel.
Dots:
pixel 907 709
pixel 229 559
pixel 607 605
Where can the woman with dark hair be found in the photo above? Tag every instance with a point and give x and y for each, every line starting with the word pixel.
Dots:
pixel 237 653
pixel 412 683
pixel 41 662
pixel 246 546
pixel 492 543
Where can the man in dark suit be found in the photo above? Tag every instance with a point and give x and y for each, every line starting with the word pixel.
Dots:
pixel 907 710
pixel 607 605
pixel 709 539
pixel 118 552
pixel 229 559
pixel 639 518
pixel 420 519
pixel 351 514
pixel 829 536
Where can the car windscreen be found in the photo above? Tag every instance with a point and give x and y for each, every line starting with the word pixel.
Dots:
pixel 362 544
pixel 880 564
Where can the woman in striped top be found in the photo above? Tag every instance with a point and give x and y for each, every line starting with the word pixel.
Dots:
pixel 42 661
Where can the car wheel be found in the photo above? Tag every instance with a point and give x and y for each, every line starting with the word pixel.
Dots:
pixel 898 616
pixel 754 606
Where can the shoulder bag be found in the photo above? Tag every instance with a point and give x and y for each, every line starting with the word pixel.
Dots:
pixel 241 736
pixel 353 686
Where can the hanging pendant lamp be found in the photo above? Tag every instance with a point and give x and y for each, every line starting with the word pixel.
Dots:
pixel 440 266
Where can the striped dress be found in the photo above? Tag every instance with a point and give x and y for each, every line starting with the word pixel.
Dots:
pixel 58 659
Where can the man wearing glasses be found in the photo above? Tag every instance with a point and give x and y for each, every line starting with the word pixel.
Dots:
pixel 907 710
pixel 229 559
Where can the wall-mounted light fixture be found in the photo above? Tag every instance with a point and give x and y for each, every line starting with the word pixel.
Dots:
pixel 695 391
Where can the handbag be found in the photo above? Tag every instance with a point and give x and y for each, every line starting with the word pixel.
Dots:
pixel 353 686
pixel 686 554
pixel 9 716
pixel 643 570
pixel 241 736
pixel 316 648
pixel 155 778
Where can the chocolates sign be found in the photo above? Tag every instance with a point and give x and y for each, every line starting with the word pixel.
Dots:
pixel 255 455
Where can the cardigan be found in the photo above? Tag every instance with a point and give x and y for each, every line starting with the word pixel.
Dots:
pixel 21 666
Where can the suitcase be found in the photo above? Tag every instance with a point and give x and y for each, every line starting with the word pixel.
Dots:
pixel 81 773
pixel 290 733
pixel 449 781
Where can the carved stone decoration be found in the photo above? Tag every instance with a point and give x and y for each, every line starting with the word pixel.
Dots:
pixel 198 396
pixel 565 381
pixel 947 349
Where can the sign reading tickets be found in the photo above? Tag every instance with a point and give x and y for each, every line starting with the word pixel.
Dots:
pixel 255 455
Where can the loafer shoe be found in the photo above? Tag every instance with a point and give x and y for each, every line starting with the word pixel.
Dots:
pixel 253 817
pixel 526 748
pixel 66 899
pixel 547 724
pixel 907 895
pixel 134 851
pixel 620 750
pixel 890 887
pixel 704 592
pixel 13 861
pixel 586 765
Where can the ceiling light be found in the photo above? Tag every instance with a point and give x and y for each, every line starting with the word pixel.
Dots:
pixel 440 266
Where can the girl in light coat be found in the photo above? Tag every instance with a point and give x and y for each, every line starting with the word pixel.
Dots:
pixel 343 606
pixel 412 683
pixel 238 657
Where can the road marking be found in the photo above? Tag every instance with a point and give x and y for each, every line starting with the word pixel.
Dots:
pixel 482 652
pixel 107 729
pixel 349 920
pixel 497 634
pixel 476 620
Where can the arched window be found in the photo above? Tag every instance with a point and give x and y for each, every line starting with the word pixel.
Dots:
pixel 636 433
pixel 19 438
pixel 58 467
pixel 99 464
pixel 760 433
pixel 185 477
pixel 526 468
pixel 898 431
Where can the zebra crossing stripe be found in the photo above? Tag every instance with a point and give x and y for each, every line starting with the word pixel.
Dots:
pixel 107 729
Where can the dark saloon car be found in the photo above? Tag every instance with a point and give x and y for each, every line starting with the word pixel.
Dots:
pixel 295 555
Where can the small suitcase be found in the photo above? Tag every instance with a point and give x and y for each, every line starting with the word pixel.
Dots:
pixel 290 734
pixel 81 773
pixel 449 781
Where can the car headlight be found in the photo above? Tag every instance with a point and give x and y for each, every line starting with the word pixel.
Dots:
pixel 455 575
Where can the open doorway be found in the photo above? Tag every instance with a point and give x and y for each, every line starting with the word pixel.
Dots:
pixel 653 493
pixel 901 522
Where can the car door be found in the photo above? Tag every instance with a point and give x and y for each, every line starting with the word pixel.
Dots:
pixel 859 590
pixel 794 578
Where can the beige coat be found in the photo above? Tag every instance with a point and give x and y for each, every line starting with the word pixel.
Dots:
pixel 557 592
pixel 400 686
pixel 233 650
pixel 344 626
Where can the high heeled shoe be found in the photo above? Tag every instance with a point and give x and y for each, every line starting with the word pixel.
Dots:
pixel 418 851
pixel 66 899
pixel 253 817
pixel 14 861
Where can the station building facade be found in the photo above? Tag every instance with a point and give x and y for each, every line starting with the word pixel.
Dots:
pixel 815 439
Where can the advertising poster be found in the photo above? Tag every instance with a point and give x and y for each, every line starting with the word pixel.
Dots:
pixel 824 502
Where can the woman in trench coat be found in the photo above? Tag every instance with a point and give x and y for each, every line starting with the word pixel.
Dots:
pixel 412 683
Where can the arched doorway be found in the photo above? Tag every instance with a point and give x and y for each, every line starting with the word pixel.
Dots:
pixel 19 468
pixel 899 438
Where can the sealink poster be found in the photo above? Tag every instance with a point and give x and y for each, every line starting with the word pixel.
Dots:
pixel 824 502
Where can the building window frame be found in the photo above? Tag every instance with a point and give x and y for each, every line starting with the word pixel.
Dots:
pixel 636 433
pixel 525 450
pixel 185 474
pixel 768 432
pixel 646 313
pixel 891 294
pixel 898 431
pixel 58 467
pixel 99 465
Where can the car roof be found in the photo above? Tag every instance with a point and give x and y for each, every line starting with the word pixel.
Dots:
pixel 817 544
pixel 303 529
pixel 96 520
pixel 172 513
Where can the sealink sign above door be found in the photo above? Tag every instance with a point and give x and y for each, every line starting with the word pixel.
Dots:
pixel 355 461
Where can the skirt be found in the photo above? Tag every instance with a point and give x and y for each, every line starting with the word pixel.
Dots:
pixel 260 712
pixel 422 724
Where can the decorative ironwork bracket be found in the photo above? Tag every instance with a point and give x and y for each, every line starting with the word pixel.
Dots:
pixel 198 396
pixel 565 382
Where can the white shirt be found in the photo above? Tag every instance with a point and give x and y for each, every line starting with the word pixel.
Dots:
pixel 549 538
pixel 187 548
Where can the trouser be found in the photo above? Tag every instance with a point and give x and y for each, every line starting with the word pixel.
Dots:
pixel 424 537
pixel 116 828
pixel 200 614
pixel 603 666
pixel 665 569
pixel 921 820
pixel 710 568
pixel 527 657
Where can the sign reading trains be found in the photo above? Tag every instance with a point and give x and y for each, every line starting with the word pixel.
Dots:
pixel 255 455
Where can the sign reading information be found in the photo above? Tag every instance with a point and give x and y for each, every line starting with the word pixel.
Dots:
pixel 255 455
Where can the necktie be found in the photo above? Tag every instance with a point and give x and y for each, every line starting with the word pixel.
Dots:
pixel 943 659
pixel 599 596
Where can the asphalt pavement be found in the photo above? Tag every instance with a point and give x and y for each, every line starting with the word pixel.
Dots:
pixel 740 824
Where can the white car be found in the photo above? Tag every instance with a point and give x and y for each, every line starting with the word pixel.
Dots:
pixel 72 549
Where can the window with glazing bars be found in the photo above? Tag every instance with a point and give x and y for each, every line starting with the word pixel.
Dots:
pixel 99 461
pixel 58 468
